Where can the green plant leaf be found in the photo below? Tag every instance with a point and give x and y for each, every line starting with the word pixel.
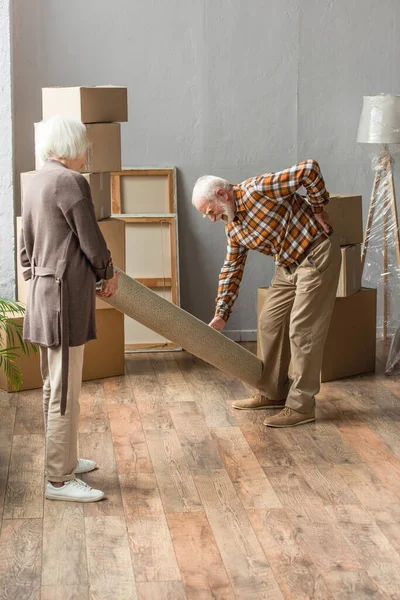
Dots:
pixel 10 310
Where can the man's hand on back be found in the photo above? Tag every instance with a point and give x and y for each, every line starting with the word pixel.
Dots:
pixel 217 323
pixel 324 220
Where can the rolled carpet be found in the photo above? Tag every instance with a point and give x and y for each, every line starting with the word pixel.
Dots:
pixel 140 303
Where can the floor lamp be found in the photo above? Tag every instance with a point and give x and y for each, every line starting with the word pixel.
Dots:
pixel 380 124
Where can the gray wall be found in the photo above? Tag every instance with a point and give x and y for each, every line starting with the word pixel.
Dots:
pixel 225 87
pixel 7 241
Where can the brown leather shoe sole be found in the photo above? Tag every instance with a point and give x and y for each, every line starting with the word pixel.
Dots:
pixel 289 425
pixel 263 407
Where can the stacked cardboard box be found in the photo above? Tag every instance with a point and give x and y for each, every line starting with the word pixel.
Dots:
pixel 346 216
pixel 351 341
pixel 102 109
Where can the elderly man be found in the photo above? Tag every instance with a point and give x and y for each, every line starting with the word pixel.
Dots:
pixel 266 213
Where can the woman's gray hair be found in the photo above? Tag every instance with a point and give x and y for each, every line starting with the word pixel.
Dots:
pixel 207 186
pixel 61 137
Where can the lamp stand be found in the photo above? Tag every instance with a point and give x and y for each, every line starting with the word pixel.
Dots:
pixel 383 177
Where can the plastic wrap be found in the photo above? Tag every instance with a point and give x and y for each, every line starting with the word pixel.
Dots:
pixel 380 124
pixel 382 253
pixel 393 361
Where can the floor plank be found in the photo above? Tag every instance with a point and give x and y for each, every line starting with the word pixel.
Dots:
pixel 251 483
pixel 65 592
pixel 244 560
pixel 165 590
pixel 25 487
pixel 152 407
pixel 370 545
pixel 173 385
pixel 198 446
pixel 296 494
pixel 327 483
pixel 93 416
pixel 352 585
pixel 64 545
pixel 130 446
pixel 8 409
pixel 99 447
pixel 177 488
pixel 204 391
pixel 29 418
pixel 287 555
pixel 200 563
pixel 375 453
pixel 109 561
pixel 20 559
pixel 118 390
pixel 265 442
pixel 150 542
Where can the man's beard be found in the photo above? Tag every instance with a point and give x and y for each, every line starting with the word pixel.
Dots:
pixel 228 215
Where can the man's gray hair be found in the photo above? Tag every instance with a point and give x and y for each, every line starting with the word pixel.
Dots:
pixel 207 186
pixel 61 137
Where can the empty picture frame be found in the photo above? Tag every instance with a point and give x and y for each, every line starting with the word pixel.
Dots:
pixel 143 191
pixel 151 252
pixel 145 199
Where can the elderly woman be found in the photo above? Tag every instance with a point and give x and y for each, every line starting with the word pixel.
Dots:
pixel 65 252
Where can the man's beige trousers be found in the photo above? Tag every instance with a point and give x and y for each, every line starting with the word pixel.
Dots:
pixel 293 324
pixel 61 430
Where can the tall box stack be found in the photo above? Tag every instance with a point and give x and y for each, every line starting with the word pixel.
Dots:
pixel 351 340
pixel 101 108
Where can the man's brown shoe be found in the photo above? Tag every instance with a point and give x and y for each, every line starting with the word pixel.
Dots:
pixel 289 418
pixel 257 402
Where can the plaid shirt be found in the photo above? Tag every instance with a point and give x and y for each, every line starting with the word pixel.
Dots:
pixel 273 219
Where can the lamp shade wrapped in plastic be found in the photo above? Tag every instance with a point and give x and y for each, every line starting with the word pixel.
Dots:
pixel 380 120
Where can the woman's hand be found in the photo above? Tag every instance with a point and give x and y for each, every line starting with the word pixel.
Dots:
pixel 110 287
pixel 217 323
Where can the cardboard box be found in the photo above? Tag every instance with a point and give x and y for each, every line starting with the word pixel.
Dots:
pixel 346 216
pixel 105 148
pixel 113 231
pixel 350 272
pixel 104 357
pixel 89 104
pixel 350 347
pixel 99 186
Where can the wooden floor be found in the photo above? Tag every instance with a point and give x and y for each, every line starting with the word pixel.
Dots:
pixel 204 502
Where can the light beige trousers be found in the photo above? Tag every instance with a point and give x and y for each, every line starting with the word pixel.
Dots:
pixel 61 430
pixel 293 324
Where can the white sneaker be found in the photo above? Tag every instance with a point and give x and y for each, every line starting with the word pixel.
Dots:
pixel 74 490
pixel 85 465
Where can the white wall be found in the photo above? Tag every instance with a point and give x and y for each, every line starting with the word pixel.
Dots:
pixel 225 87
pixel 7 241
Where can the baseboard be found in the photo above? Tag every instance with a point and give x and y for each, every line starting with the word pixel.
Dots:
pixel 241 335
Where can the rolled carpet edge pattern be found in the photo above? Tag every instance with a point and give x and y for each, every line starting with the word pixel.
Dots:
pixel 172 322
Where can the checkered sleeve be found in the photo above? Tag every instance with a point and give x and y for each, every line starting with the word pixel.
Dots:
pixel 282 184
pixel 230 278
